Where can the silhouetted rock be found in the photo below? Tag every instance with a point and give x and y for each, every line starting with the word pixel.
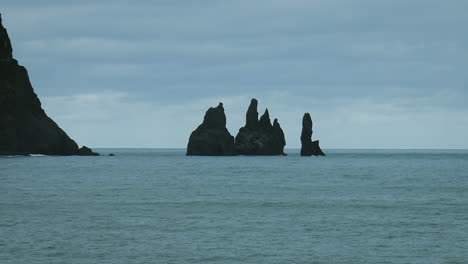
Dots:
pixel 24 126
pixel 309 147
pixel 85 151
pixel 212 138
pixel 6 51
pixel 259 137
pixel 252 115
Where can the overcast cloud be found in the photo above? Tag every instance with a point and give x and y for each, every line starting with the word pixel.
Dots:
pixel 373 74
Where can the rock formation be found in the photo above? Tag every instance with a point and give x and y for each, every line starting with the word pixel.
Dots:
pixel 259 137
pixel 85 151
pixel 212 138
pixel 24 126
pixel 309 147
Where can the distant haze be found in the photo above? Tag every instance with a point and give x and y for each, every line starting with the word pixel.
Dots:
pixel 373 74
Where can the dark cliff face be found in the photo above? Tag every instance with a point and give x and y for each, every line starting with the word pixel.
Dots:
pixel 309 147
pixel 24 126
pixel 259 137
pixel 6 51
pixel 212 138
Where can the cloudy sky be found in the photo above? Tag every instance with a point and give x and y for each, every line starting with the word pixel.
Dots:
pixel 373 74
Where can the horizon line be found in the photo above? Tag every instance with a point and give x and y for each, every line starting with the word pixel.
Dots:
pixel 181 148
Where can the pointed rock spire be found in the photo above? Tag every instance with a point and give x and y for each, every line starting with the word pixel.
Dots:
pixel 275 122
pixel 309 147
pixel 265 122
pixel 252 114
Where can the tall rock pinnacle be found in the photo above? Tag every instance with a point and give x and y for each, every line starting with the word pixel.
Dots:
pixel 309 147
pixel 252 115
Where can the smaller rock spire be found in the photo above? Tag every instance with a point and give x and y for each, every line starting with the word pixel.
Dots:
pixel 265 122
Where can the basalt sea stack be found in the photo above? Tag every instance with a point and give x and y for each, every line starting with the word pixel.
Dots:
pixel 24 126
pixel 212 138
pixel 259 137
pixel 309 147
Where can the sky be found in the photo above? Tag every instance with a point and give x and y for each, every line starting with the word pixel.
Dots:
pixel 373 74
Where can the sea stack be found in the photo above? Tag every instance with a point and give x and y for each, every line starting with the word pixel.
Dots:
pixel 212 138
pixel 309 147
pixel 259 137
pixel 24 126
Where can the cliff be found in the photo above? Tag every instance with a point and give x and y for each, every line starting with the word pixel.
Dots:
pixel 24 126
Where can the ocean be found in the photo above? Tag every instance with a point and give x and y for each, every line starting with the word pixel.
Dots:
pixel 160 206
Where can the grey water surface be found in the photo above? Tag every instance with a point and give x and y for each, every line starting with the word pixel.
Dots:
pixel 159 206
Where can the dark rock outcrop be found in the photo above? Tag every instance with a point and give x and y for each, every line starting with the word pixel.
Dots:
pixel 24 126
pixel 212 138
pixel 259 137
pixel 309 147
pixel 6 51
pixel 85 151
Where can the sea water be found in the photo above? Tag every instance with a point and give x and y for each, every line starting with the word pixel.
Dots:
pixel 159 206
